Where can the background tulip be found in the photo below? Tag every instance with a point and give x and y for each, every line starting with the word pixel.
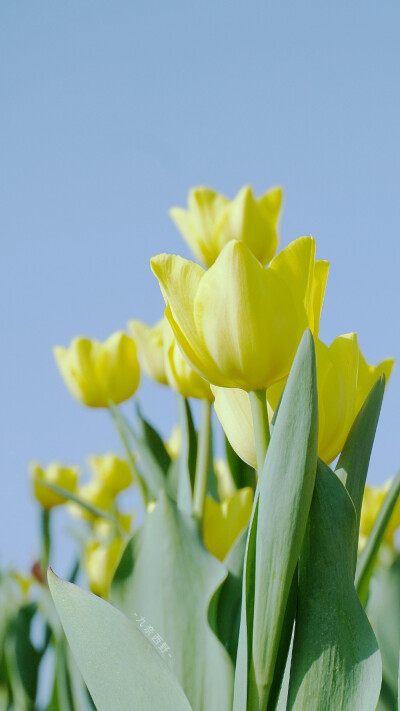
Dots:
pixel 239 324
pixel 96 373
pixel 111 471
pixel 54 473
pixel 150 345
pixel 211 221
pixel 224 521
pixel 374 496
pixel 343 379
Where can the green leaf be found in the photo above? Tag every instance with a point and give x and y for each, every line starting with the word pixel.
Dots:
pixel 367 559
pixel 121 667
pixel 169 589
pixel 154 441
pixel 187 457
pixel 336 662
pixel 352 467
pixel 384 612
pixel 230 597
pixel 151 470
pixel 283 498
pixel 242 474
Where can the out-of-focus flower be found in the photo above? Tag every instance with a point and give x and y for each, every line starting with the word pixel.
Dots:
pixel 239 324
pixel 180 376
pixel 211 221
pixel 223 522
pixel 54 473
pixel 96 373
pixel 95 494
pixel 111 471
pixel 225 484
pixel 342 388
pixel 374 497
pixel 150 345
pixel 101 561
pixel 174 444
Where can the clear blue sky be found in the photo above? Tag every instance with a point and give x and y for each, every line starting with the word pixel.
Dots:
pixel 109 112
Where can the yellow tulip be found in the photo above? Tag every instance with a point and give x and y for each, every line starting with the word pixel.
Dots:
pixel 101 561
pixel 174 444
pixel 150 344
pixel 225 483
pixel 211 221
pixel 113 473
pixel 54 473
pixel 239 324
pixel 96 494
pixel 342 388
pixel 181 377
pixel 374 497
pixel 96 373
pixel 223 522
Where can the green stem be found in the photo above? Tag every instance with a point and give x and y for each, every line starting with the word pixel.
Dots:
pixel 258 401
pixel 46 540
pixel 120 425
pixel 203 453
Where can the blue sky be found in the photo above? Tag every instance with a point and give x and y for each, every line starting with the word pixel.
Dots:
pixel 109 113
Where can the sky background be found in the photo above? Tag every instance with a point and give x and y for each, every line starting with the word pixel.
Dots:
pixel 109 113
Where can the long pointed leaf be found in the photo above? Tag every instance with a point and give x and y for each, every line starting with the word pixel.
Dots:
pixel 336 663
pixel 121 667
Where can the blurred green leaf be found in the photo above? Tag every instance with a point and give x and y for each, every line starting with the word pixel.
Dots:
pixel 384 612
pixel 242 473
pixel 169 590
pixel 367 559
pixel 121 667
pixel 154 441
pixel 336 662
pixel 230 597
pixel 187 457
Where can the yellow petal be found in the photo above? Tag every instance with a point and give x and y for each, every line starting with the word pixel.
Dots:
pixel 373 500
pixel 96 494
pixel 252 221
pixel 234 413
pixel 368 375
pixel 54 473
pixel 150 345
pixel 246 319
pixel 337 368
pixel 179 280
pixel 223 522
pixel 101 561
pixel 111 471
pixel 181 377
pixel 321 270
pixel 198 224
pixel 96 373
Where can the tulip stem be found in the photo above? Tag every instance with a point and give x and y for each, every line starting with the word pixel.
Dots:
pixel 258 401
pixel 120 425
pixel 46 540
pixel 202 462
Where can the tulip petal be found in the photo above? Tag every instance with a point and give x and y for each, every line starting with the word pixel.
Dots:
pixel 368 375
pixel 246 318
pixel 198 223
pixel 234 413
pixel 178 276
pixel 321 270
pixel 150 346
pixel 295 265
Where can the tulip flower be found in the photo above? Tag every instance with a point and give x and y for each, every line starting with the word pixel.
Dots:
pixel 101 561
pixel 211 221
pixel 174 444
pixel 225 483
pixel 342 388
pixel 113 473
pixel 96 494
pixel 96 373
pixel 181 377
pixel 223 522
pixel 150 345
pixel 374 497
pixel 238 324
pixel 54 473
